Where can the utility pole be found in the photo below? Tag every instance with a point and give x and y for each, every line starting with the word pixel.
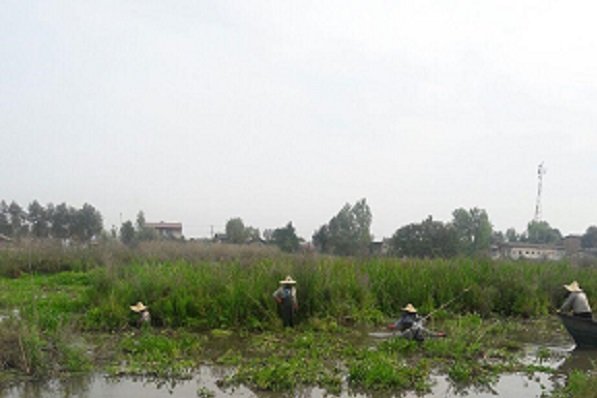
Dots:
pixel 540 173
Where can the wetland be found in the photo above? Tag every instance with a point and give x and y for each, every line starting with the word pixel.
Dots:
pixel 67 330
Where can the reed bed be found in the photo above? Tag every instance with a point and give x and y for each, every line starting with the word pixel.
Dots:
pixel 236 294
pixel 206 286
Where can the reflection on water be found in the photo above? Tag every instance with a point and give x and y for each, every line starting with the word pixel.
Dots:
pixel 97 386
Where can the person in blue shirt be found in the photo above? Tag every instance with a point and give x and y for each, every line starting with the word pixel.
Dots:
pixel 285 296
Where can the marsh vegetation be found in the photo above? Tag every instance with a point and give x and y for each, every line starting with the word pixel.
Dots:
pixel 67 311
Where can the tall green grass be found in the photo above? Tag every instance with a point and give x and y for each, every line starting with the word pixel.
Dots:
pixel 207 295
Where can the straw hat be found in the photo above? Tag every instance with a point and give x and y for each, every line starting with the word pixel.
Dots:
pixel 288 281
pixel 573 287
pixel 139 307
pixel 410 308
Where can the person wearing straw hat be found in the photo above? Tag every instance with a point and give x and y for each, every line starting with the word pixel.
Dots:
pixel 143 311
pixel 410 325
pixel 576 302
pixel 285 296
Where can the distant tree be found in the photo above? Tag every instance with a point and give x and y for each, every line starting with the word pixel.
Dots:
pixel 541 232
pixel 61 220
pixel 144 233
pixel 286 239
pixel 140 220
pixel 497 237
pixel 5 228
pixel 473 230
pixel 426 239
pixel 321 239
pixel 589 239
pixel 252 234
pixel 511 235
pixel 85 223
pixel 268 235
pixel 18 220
pixel 347 233
pixel 127 233
pixel 38 220
pixel 235 230
pixel 113 232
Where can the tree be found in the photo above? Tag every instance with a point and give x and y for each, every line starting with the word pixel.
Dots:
pixel 542 233
pixel 5 228
pixel 321 239
pixel 347 233
pixel 589 239
pixel 85 223
pixel 61 220
pixel 127 233
pixel 144 233
pixel 473 230
pixel 18 219
pixel 252 234
pixel 38 220
pixel 511 235
pixel 427 239
pixel 235 230
pixel 286 239
pixel 497 237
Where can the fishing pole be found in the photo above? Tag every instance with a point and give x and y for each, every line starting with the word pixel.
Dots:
pixel 447 303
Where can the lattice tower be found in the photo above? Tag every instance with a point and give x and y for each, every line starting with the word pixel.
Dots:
pixel 540 173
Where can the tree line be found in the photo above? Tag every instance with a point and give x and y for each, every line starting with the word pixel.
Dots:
pixel 51 221
pixel 347 233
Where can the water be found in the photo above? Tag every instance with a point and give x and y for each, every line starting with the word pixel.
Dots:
pixel 205 382
pixel 98 386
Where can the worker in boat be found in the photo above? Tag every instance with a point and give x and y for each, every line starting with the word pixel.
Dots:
pixel 285 296
pixel 144 315
pixel 576 302
pixel 410 325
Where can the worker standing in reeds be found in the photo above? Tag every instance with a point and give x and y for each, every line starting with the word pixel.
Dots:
pixel 576 302
pixel 410 325
pixel 285 296
pixel 144 316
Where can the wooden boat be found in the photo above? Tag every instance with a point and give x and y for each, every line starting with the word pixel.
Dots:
pixel 583 331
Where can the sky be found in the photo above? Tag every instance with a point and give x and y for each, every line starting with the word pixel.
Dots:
pixel 275 111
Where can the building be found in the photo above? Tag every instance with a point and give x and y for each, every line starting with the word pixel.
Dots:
pixel 169 230
pixel 529 251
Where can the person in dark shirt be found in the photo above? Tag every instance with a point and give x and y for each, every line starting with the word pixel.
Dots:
pixel 410 325
pixel 285 296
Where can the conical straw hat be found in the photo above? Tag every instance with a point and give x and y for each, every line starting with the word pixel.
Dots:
pixel 288 281
pixel 139 307
pixel 573 287
pixel 410 308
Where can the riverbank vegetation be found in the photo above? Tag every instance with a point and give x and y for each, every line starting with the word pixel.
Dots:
pixel 66 311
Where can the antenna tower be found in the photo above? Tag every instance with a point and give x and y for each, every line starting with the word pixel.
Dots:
pixel 540 173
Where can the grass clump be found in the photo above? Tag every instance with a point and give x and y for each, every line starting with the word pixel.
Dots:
pixel 379 370
pixel 27 350
pixel 579 384
pixel 164 355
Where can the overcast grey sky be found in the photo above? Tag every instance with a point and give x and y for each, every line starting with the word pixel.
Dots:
pixel 276 111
